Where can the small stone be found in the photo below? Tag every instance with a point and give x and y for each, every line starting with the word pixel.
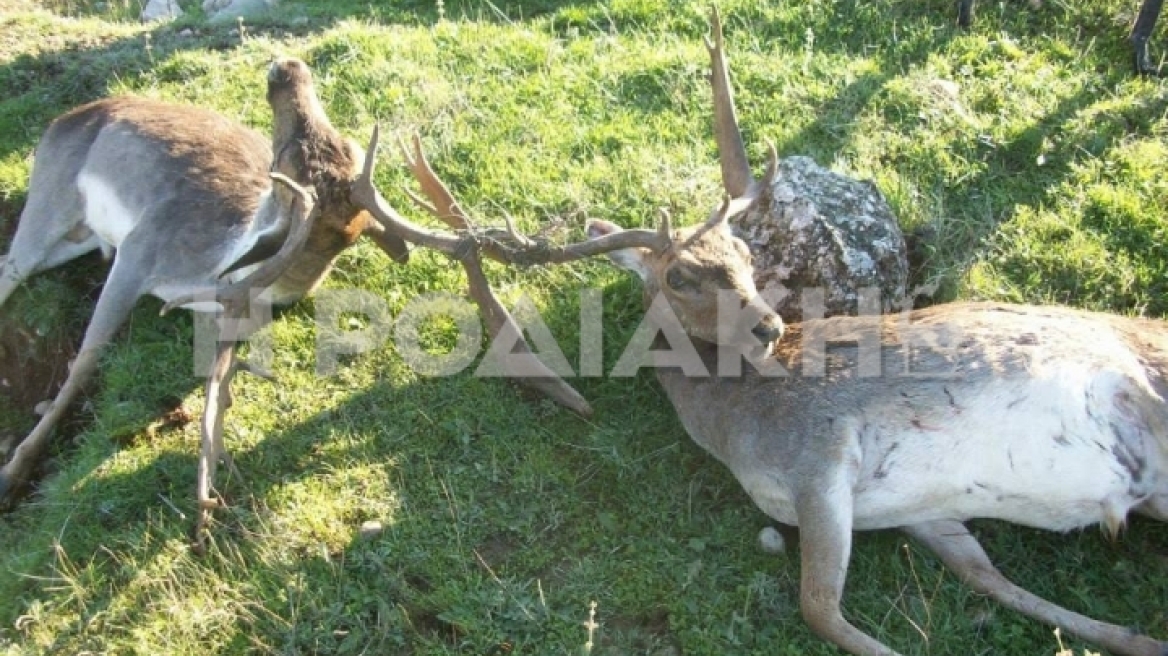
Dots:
pixel 42 408
pixel 159 10
pixel 771 540
pixel 371 529
pixel 221 11
pixel 186 33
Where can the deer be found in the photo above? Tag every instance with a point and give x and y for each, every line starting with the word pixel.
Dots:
pixel 1048 417
pixel 1140 34
pixel 179 198
pixel 204 214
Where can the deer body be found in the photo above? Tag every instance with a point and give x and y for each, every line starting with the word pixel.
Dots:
pixel 1048 417
pixel 1039 416
pixel 136 176
pixel 184 199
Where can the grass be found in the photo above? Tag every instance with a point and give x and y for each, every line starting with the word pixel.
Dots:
pixel 502 517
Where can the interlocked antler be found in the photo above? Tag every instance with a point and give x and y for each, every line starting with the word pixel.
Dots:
pixel 469 245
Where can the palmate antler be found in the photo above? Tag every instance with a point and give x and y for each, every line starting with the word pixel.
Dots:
pixel 469 245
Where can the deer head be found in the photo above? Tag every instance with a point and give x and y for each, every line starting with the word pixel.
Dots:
pixel 697 270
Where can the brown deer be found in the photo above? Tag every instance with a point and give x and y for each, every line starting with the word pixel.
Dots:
pixel 183 199
pixel 1043 416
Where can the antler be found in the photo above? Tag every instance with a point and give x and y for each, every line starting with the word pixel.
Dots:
pixel 469 245
pixel 736 178
pixel 506 246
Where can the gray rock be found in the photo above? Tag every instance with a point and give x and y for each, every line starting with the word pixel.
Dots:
pixel 819 229
pixel 160 10
pixel 219 11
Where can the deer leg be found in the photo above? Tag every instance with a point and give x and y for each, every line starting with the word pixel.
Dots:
pixel 962 554
pixel 218 400
pixel 1141 33
pixel 964 13
pixel 736 177
pixel 120 293
pixel 825 542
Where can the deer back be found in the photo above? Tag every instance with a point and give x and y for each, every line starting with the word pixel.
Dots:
pixel 184 184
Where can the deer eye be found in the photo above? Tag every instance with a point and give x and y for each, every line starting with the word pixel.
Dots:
pixel 678 281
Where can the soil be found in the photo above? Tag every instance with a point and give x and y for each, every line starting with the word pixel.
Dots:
pixel 33 367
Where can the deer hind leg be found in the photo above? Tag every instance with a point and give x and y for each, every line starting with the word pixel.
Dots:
pixel 825 542
pixel 121 291
pixel 1141 33
pixel 964 13
pixel 45 238
pixel 962 554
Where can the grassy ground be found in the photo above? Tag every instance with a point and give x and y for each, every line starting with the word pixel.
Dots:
pixel 1044 178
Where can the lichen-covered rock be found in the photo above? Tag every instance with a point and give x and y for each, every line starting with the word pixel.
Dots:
pixel 819 229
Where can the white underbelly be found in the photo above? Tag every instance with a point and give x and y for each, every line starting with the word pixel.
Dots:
pixel 1056 453
pixel 1052 461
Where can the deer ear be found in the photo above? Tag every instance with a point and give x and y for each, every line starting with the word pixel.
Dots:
pixel 631 259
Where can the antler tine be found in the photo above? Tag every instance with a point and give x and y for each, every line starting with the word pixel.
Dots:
pixel 736 176
pixel 731 207
pixel 363 193
pixel 271 269
pixel 664 228
pixel 442 202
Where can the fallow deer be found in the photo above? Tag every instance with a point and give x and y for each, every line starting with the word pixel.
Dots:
pixel 1043 416
pixel 180 197
pixel 183 200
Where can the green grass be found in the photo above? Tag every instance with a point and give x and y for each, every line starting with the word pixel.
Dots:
pixel 1045 179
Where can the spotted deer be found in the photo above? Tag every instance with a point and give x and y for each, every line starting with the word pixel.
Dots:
pixel 1043 416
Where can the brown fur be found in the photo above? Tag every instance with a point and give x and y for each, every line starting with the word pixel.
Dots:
pixel 312 152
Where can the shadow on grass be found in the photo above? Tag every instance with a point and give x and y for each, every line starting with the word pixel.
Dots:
pixel 455 563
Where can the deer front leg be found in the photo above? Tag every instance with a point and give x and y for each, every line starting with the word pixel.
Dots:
pixel 218 395
pixel 962 554
pixel 28 453
pixel 825 543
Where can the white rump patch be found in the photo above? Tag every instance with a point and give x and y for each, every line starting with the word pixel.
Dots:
pixel 105 213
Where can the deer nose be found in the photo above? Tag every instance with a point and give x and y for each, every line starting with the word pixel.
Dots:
pixel 768 330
